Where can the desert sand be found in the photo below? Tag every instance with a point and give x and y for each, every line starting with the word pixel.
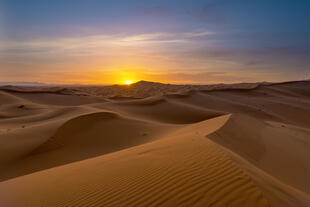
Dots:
pixel 153 144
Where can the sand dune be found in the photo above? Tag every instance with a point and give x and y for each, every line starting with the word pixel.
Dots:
pixel 164 111
pixel 153 144
pixel 183 172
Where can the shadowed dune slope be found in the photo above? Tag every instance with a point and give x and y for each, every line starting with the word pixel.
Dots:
pixel 273 147
pixel 7 98
pixel 84 137
pixel 58 99
pixel 275 155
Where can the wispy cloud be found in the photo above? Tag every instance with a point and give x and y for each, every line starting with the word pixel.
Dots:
pixel 97 41
pixel 199 77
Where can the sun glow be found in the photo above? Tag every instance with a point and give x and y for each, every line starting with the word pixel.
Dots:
pixel 125 77
pixel 128 82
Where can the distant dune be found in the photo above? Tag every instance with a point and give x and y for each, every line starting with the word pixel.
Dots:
pixel 153 144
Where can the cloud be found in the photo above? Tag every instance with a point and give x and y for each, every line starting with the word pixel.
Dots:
pixel 251 56
pixel 164 37
pixel 200 77
pixel 98 41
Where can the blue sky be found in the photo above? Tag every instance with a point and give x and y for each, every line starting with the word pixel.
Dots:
pixel 179 41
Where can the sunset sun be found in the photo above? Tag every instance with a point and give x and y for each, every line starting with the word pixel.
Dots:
pixel 128 82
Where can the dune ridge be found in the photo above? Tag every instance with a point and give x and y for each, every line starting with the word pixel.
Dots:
pixel 156 145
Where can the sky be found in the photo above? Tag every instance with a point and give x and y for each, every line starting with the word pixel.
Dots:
pixel 170 41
